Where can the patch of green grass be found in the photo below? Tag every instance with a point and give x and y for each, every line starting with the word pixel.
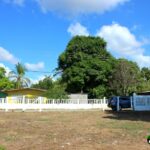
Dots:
pixel 120 125
pixel 10 138
pixel 125 125
pixel 2 147
pixel 129 127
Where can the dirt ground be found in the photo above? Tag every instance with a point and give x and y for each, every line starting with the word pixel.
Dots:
pixel 74 130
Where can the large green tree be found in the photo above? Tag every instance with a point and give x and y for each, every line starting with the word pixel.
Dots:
pixel 18 76
pixel 86 65
pixel 5 83
pixel 125 77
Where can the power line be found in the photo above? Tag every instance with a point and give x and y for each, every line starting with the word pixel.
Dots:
pixel 39 71
pixel 36 71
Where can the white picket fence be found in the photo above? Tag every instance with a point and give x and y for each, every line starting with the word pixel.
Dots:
pixel 40 103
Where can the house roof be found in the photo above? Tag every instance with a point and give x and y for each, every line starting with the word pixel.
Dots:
pixel 25 91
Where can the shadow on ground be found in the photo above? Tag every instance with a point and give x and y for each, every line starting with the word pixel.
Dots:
pixel 128 115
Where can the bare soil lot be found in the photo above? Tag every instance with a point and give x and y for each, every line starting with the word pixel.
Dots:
pixel 74 130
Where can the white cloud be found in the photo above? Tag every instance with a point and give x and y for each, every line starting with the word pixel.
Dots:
pixel 16 2
pixel 19 2
pixel 6 68
pixel 78 29
pixel 7 56
pixel 120 39
pixel 145 41
pixel 124 44
pixel 34 67
pixel 142 60
pixel 74 7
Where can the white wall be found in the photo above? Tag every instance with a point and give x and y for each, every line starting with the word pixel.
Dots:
pixel 53 104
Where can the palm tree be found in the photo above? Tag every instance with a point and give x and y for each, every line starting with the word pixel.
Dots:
pixel 18 76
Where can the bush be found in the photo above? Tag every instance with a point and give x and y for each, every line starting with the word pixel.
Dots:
pixel 57 92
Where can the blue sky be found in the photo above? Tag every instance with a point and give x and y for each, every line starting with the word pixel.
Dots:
pixel 36 32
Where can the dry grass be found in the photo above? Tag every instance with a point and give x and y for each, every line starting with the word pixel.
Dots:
pixel 74 130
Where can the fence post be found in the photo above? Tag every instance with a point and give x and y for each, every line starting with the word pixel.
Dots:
pixel 23 99
pixel 6 102
pixel 23 102
pixel 3 100
pixel 78 101
pixel 131 101
pixel 104 102
pixel 40 100
pixel 118 107
pixel 134 101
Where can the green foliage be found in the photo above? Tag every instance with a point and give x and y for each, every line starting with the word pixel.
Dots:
pixel 57 91
pixel 2 147
pixel 5 83
pixel 18 76
pixel 125 77
pixel 86 65
pixel 2 72
pixel 144 84
pixel 98 92
pixel 145 73
pixel 46 83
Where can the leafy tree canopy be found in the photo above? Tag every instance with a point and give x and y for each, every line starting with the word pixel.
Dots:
pixel 145 73
pixel 125 77
pixel 18 76
pixel 46 83
pixel 5 83
pixel 85 64
pixel 144 84
pixel 57 91
pixel 2 72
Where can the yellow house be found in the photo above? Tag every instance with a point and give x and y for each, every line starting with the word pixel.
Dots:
pixel 29 94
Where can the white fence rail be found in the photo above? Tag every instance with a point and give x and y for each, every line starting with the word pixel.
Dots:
pixel 41 103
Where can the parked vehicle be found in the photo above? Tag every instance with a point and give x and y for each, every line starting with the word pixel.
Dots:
pixel 124 102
